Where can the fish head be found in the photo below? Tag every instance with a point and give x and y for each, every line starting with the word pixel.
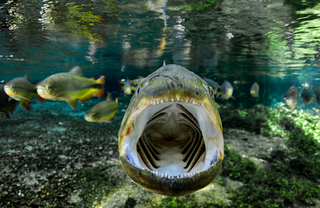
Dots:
pixel 170 139
pixel 47 89
pixel 11 89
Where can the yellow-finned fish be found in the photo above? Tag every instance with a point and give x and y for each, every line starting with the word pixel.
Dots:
pixel 6 105
pixel 103 111
pixel 226 91
pixel 20 89
pixel 127 87
pixel 254 91
pixel 70 87
pixel 306 96
pixel 291 97
pixel 170 139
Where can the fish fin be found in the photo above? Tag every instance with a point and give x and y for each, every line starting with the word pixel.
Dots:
pixel 108 121
pixel 117 100
pixel 72 103
pixel 26 105
pixel 76 71
pixel 99 93
pixel 27 77
pixel 65 96
pixel 86 97
pixel 101 80
pixel 92 79
pixel 218 94
pixel 233 97
pixel 109 97
pixel 40 99
pixel 6 114
pixel 133 88
pixel 10 98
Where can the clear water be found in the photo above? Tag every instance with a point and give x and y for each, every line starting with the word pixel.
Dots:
pixel 275 43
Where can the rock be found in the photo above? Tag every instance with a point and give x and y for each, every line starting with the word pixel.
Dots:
pixel 29 148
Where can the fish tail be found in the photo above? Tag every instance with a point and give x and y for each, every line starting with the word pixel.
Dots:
pixel 100 80
pixel 99 93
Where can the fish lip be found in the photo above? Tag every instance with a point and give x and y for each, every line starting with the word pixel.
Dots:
pixel 171 186
pixel 150 181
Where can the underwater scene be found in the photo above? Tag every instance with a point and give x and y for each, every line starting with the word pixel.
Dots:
pixel 160 103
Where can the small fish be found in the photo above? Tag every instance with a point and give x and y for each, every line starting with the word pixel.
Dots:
pixel 127 87
pixel 254 91
pixel 6 106
pixel 20 89
pixel 226 91
pixel 103 111
pixel 70 87
pixel 213 84
pixel 317 91
pixel 306 96
pixel 291 97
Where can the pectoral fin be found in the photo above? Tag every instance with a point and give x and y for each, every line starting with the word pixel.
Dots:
pixel 72 103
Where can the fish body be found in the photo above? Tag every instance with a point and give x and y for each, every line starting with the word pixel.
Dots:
pixel 170 139
pixel 291 97
pixel 103 111
pixel 213 84
pixel 254 91
pixel 317 92
pixel 20 89
pixel 70 87
pixel 226 90
pixel 127 87
pixel 6 106
pixel 306 96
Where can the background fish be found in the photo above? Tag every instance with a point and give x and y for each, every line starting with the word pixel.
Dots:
pixel 22 90
pixel 306 96
pixel 254 91
pixel 6 106
pixel 127 87
pixel 103 111
pixel 291 97
pixel 317 92
pixel 215 86
pixel 226 90
pixel 71 87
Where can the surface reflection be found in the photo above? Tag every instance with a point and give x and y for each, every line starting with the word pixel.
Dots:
pixel 217 39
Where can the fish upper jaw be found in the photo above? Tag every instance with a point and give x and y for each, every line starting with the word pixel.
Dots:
pixel 42 92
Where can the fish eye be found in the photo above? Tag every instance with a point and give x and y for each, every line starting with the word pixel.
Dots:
pixel 137 90
pixel 49 87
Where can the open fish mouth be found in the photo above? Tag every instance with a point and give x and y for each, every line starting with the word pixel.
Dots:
pixel 172 144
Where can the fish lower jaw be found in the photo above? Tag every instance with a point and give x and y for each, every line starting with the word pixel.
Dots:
pixel 171 146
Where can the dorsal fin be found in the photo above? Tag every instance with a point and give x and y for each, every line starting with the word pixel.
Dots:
pixel 109 97
pixel 27 77
pixel 76 71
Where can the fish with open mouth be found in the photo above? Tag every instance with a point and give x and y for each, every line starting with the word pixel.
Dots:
pixel 170 139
